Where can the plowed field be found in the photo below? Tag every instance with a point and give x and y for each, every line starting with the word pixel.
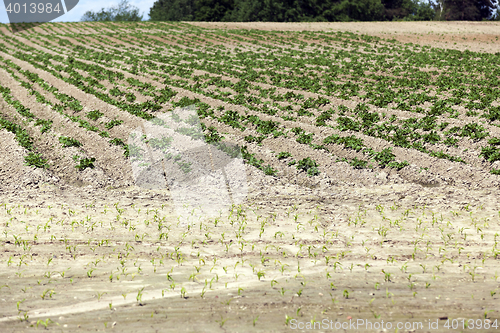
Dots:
pixel 371 157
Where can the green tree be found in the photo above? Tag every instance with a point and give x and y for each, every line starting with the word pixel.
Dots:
pixel 422 11
pixel 398 9
pixel 367 10
pixel 468 10
pixel 123 12
pixel 250 11
pixel 300 11
pixel 264 11
pixel 212 10
pixel 290 10
pixel 496 15
pixel 172 10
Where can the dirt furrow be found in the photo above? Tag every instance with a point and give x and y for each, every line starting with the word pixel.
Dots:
pixel 111 167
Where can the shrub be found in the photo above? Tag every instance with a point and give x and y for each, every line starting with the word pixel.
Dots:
pixel 123 12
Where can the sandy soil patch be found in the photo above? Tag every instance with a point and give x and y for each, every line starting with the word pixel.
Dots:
pixel 473 36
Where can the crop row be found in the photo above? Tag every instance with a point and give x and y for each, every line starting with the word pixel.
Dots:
pixel 429 82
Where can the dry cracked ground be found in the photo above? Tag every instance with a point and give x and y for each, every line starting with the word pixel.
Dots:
pixel 361 250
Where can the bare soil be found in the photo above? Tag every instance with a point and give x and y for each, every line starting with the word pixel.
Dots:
pixel 460 35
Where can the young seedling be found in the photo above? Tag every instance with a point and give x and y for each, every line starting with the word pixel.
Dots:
pixel 99 295
pixel 485 314
pixel 222 321
pixel 255 320
pixel 50 292
pixel 44 323
pixel 19 303
pixel 387 277
pixel 139 295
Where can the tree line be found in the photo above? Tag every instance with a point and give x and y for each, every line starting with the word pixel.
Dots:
pixel 303 11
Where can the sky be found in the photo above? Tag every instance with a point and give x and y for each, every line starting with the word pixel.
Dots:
pixel 76 13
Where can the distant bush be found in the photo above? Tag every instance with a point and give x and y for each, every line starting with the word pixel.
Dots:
pixel 124 12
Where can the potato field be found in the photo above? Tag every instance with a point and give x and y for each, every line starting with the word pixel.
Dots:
pixel 370 159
